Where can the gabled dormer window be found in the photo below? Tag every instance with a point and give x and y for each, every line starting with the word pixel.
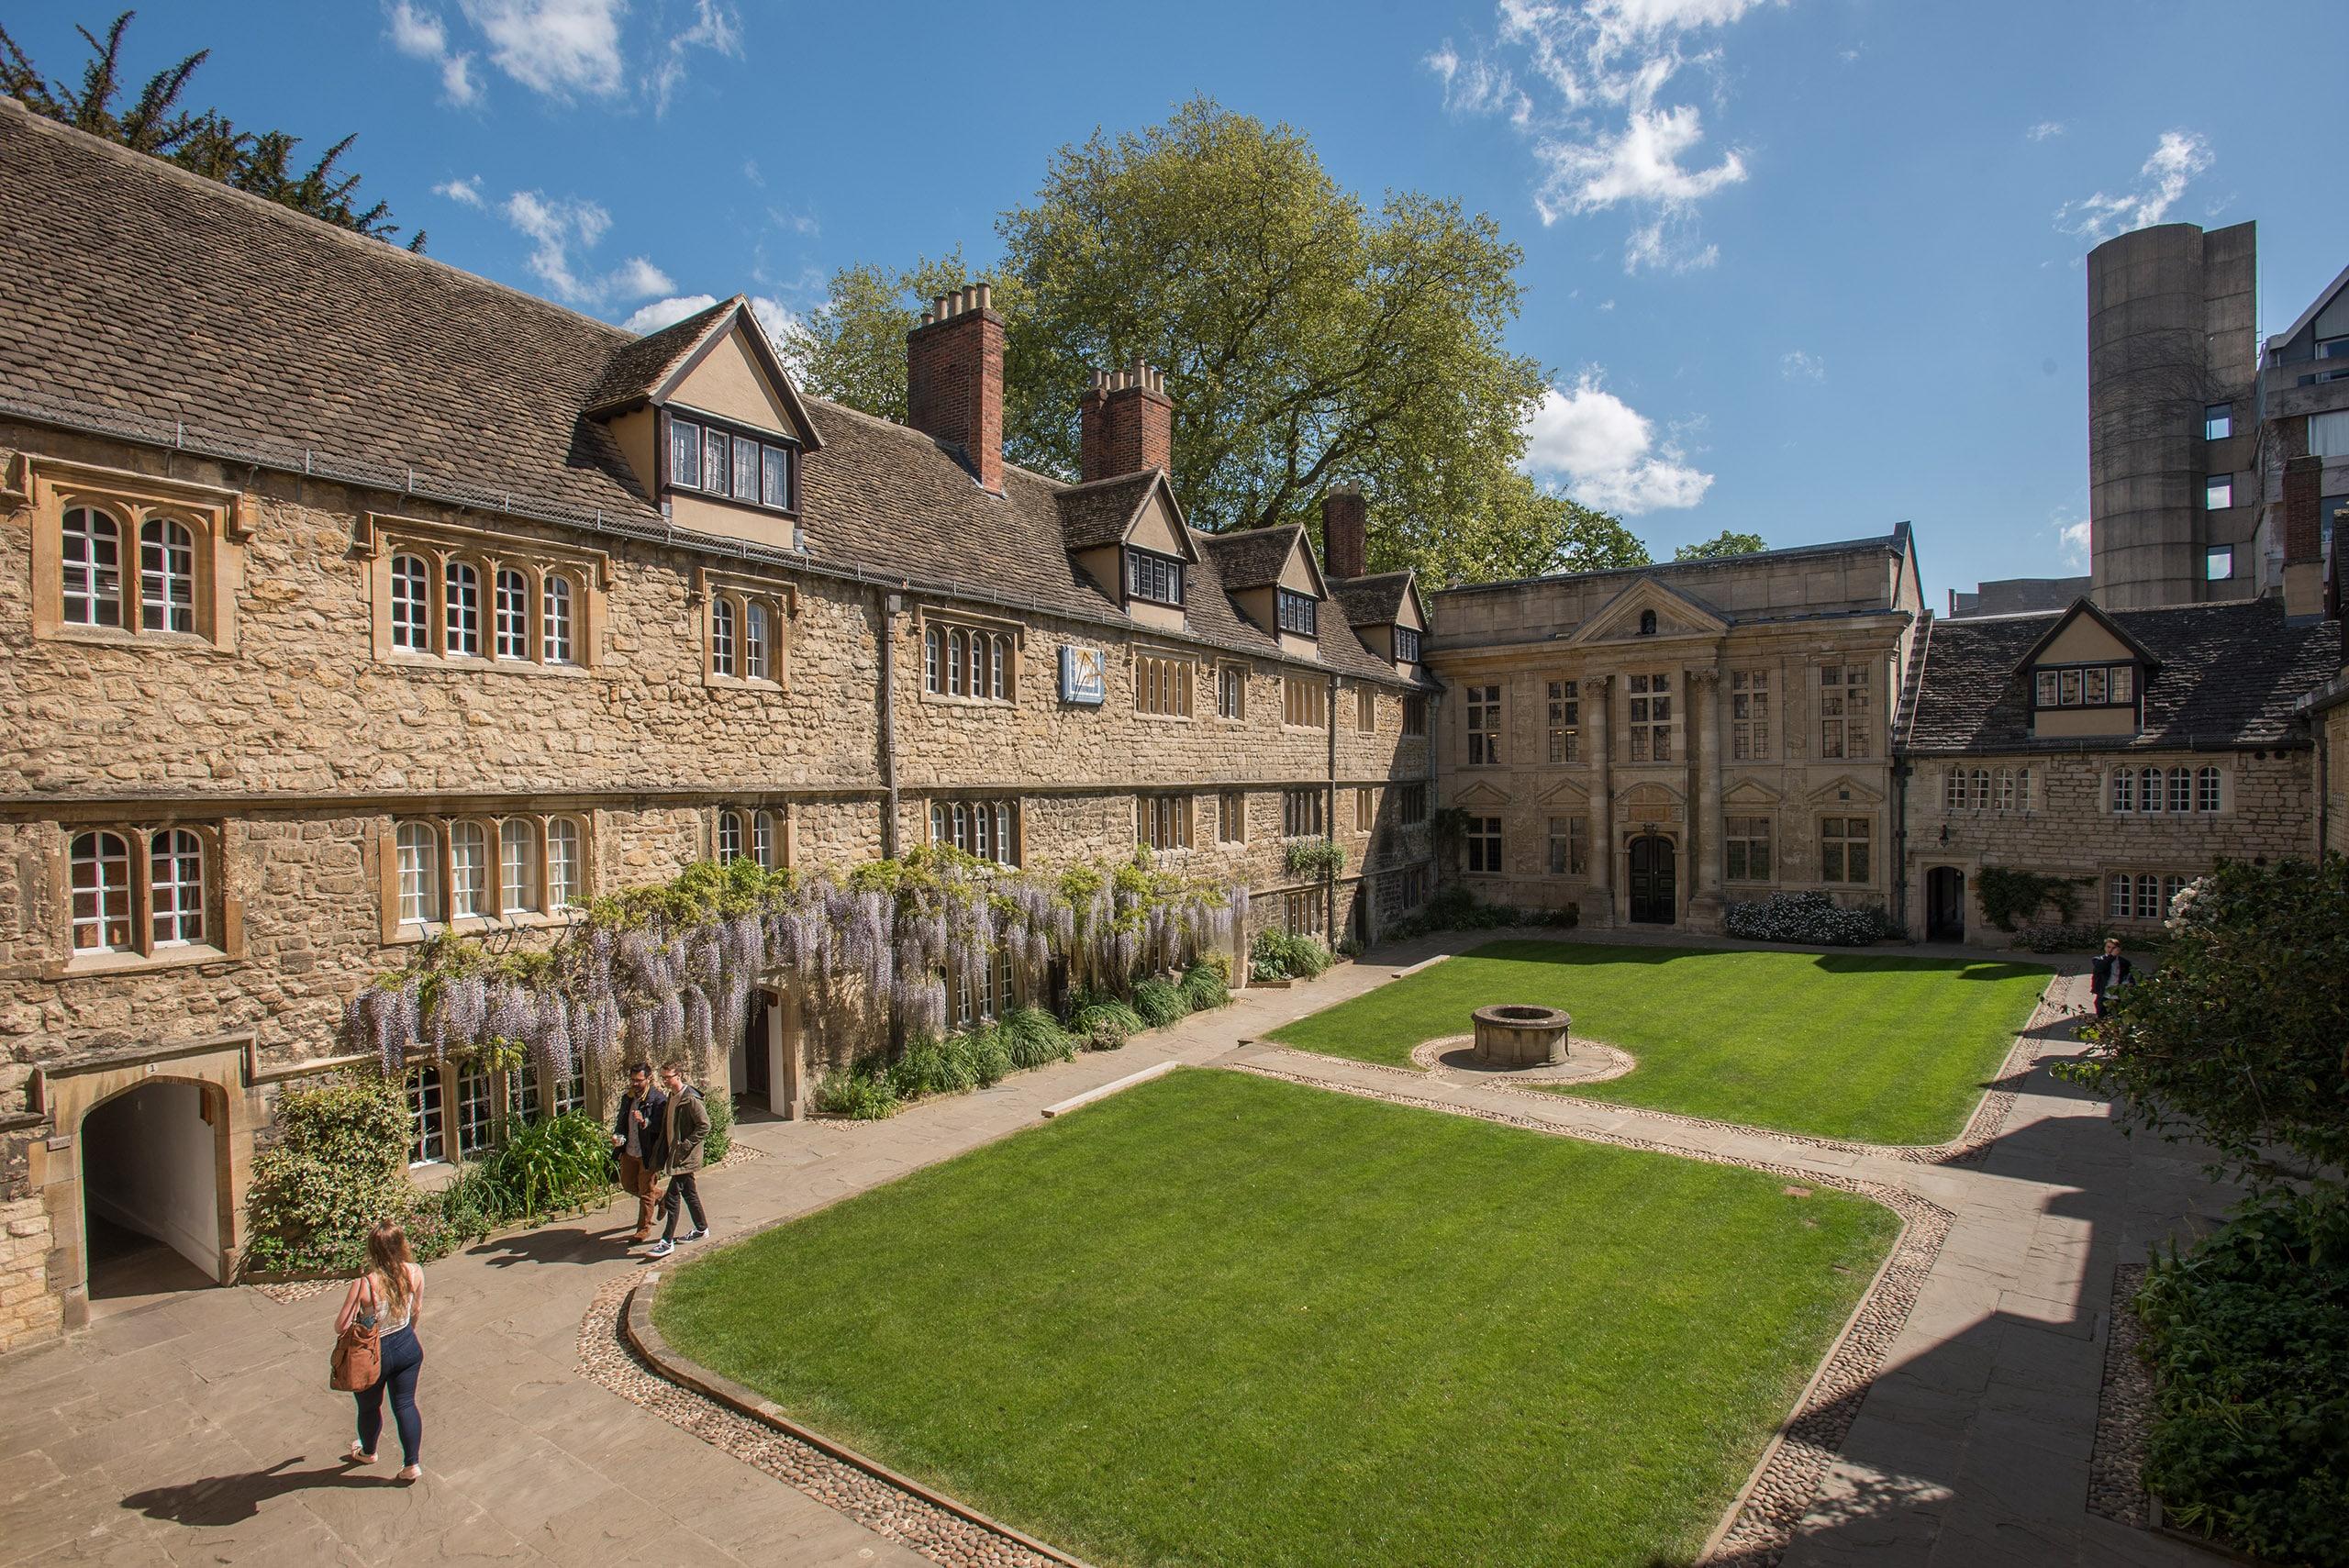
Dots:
pixel 1296 611
pixel 727 463
pixel 2085 685
pixel 1407 645
pixel 1153 577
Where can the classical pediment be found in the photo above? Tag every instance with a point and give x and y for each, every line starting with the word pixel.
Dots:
pixel 1626 617
pixel 1481 794
pixel 1751 792
pixel 1845 789
pixel 1565 792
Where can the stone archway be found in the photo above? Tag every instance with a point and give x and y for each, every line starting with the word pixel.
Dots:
pixel 1651 879
pixel 152 1172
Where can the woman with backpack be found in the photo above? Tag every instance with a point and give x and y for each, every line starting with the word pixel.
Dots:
pixel 376 1332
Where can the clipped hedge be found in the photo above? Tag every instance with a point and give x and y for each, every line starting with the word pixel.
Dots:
pixel 1810 918
pixel 1276 955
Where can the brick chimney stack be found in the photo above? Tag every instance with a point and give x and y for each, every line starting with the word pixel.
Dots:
pixel 1345 533
pixel 2303 537
pixel 1125 424
pixel 954 379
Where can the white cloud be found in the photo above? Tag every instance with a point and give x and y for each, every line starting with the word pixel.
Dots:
pixel 2071 537
pixel 421 35
pixel 563 227
pixel 457 84
pixel 715 29
pixel 1604 136
pixel 2044 129
pixel 659 313
pixel 1797 365
pixel 1606 453
pixel 465 192
pixel 636 277
pixel 2176 159
pixel 555 47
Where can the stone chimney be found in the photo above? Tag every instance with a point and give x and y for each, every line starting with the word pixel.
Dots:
pixel 954 379
pixel 2303 537
pixel 1345 533
pixel 1125 424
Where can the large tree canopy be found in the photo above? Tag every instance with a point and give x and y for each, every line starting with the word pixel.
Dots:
pixel 1726 542
pixel 1307 340
pixel 208 143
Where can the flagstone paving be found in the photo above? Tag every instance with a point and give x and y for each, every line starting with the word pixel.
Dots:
pixel 199 1428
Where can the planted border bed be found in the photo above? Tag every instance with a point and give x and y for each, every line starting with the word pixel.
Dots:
pixel 1869 1047
pixel 1220 1319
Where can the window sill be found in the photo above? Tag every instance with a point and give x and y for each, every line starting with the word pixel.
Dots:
pixel 951 700
pixel 1164 718
pixel 409 933
pixel 96 965
pixel 478 664
pixel 741 683
pixel 134 641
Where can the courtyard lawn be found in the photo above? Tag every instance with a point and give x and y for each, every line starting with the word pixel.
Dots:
pixel 1223 1319
pixel 1860 1046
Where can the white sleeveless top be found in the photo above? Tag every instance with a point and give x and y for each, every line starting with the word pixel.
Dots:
pixel 407 1307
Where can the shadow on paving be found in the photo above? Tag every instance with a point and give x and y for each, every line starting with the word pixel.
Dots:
pixel 1977 1450
pixel 219 1501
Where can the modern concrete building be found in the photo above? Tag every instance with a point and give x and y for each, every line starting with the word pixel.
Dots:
pixel 2303 478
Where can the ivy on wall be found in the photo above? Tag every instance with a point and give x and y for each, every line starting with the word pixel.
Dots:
pixel 2008 895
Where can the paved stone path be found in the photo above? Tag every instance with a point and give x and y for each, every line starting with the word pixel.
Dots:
pixel 199 1430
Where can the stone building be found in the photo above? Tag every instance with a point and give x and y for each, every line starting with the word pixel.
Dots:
pixel 2127 751
pixel 347 598
pixel 1646 745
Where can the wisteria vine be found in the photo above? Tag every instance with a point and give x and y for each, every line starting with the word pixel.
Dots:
pixel 666 971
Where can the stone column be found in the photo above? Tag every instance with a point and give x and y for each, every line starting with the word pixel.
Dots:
pixel 1705 808
pixel 1597 699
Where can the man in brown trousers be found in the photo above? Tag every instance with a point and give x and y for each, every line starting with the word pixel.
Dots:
pixel 634 1133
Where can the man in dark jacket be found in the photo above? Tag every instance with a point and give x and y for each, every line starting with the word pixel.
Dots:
pixel 636 1133
pixel 684 1124
pixel 2108 973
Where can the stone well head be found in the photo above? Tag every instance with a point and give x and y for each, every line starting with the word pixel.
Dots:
pixel 1516 1036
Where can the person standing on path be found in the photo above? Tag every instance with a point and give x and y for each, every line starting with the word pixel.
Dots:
pixel 684 1124
pixel 2108 972
pixel 390 1296
pixel 634 1133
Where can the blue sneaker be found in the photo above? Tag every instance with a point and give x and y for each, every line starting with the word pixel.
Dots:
pixel 662 1248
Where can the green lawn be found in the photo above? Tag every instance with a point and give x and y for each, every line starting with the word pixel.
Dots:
pixel 1223 1320
pixel 1837 1045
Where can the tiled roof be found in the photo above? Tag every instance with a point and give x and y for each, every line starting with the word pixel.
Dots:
pixel 2229 675
pixel 1374 600
pixel 1253 558
pixel 1096 514
pixel 274 333
pixel 638 370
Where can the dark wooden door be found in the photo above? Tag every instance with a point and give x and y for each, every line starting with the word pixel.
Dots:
pixel 1945 905
pixel 1654 895
pixel 755 1071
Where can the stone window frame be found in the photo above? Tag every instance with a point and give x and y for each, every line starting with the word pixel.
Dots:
pixel 397 931
pixel 1231 683
pixel 1415 715
pixel 1740 842
pixel 777 823
pixel 1483 722
pixel 1231 817
pixel 1644 731
pixel 1569 846
pixel 2117 683
pixel 1366 807
pixel 1303 813
pixel 1303 912
pixel 2141 897
pixel 937 634
pixel 740 592
pixel 1411 803
pixel 1482 846
pixel 1752 724
pixel 1165 684
pixel 995 993
pixel 222 912
pixel 954 819
pixel 1835 847
pixel 1834 690
pixel 510 1098
pixel 1365 708
pixel 1566 721
pixel 219 522
pixel 1163 821
pixel 383 538
pixel 1305 701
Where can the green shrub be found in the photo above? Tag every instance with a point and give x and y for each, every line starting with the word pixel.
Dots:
pixel 338 1170
pixel 1035 1037
pixel 1102 1023
pixel 1456 907
pixel 2248 1337
pixel 1314 859
pixel 1276 955
pixel 721 1128
pixel 546 1167
pixel 1159 1003
pixel 929 1066
pixel 849 1093
pixel 990 1055
pixel 1206 985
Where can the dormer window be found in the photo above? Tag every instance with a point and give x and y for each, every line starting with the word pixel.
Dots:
pixel 727 463
pixel 1296 611
pixel 2087 685
pixel 1407 645
pixel 1155 578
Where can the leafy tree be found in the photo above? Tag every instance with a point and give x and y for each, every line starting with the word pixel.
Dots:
pixel 206 143
pixel 2240 1038
pixel 1307 340
pixel 1728 543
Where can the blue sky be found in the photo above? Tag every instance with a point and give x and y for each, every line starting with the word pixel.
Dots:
pixel 1804 268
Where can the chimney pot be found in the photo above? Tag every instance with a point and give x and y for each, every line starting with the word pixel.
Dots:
pixel 954 381
pixel 1125 423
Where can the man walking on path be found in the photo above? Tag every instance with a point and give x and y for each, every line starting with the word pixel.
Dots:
pixel 684 1123
pixel 2108 972
pixel 634 1131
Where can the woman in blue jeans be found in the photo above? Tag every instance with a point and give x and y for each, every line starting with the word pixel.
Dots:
pixel 390 1295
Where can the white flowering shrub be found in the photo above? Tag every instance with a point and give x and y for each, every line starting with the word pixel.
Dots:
pixel 1811 918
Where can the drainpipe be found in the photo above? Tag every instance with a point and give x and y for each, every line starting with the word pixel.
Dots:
pixel 1900 843
pixel 1330 824
pixel 892 606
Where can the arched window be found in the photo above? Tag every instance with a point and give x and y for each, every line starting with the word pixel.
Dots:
pixel 468 869
pixel 2022 788
pixel 166 576
pixel 92 562
pixel 1953 791
pixel 982 839
pixel 1005 849
pixel 722 637
pixel 730 837
pixel 1981 788
pixel 754 641
pixel 463 597
pixel 2125 790
pixel 2208 792
pixel 940 832
pixel 766 840
pixel 1647 623
pixel 933 660
pixel 2181 789
pixel 513 614
pixel 419 872
pixel 565 865
pixel 2149 790
pixel 518 865
pixel 175 887
pixel 998 658
pixel 554 629
pixel 2149 897
pixel 411 605
pixel 956 649
pixel 101 893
